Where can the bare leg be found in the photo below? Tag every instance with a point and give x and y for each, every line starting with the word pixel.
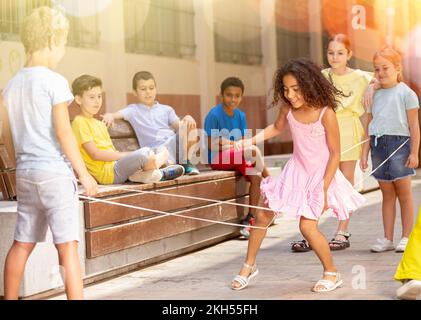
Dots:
pixel 319 244
pixel 348 170
pixel 254 192
pixel 406 201
pixel 14 268
pixel 388 208
pixel 70 264
pixel 263 219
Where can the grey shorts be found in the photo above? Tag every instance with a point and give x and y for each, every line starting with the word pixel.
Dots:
pixel 46 199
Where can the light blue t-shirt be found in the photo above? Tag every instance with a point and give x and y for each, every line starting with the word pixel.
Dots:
pixel 219 124
pixel 30 97
pixel 151 125
pixel 389 111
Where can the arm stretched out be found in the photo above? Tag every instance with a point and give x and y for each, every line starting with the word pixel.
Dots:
pixel 271 130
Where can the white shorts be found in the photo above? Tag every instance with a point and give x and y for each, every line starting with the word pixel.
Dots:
pixel 46 199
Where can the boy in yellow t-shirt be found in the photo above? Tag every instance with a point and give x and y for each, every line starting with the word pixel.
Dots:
pixel 104 162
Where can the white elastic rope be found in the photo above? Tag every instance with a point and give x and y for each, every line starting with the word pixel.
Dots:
pixel 381 164
pixel 177 214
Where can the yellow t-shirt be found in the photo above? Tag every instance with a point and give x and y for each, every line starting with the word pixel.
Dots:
pixel 89 129
pixel 353 85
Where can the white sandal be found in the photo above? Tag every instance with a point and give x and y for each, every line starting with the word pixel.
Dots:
pixel 242 280
pixel 328 285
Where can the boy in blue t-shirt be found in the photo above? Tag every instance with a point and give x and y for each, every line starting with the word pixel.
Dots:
pixel 225 126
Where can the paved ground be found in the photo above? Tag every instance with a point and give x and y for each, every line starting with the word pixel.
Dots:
pixel 206 274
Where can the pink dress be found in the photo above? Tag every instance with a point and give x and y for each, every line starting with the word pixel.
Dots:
pixel 298 191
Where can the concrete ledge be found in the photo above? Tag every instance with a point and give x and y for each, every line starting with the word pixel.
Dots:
pixel 42 271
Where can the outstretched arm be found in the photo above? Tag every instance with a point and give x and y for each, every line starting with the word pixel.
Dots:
pixel 271 130
pixel 109 118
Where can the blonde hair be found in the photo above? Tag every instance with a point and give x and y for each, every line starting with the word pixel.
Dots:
pixel 40 26
pixel 393 56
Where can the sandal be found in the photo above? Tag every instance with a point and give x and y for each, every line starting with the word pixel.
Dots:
pixel 244 281
pixel 328 285
pixel 339 244
pixel 300 246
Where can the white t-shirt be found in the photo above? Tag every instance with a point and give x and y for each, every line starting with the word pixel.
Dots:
pixel 389 111
pixel 29 97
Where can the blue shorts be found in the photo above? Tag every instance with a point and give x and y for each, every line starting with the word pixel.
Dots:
pixel 394 168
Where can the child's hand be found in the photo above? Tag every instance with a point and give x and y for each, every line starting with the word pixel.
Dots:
pixel 246 143
pixel 108 119
pixel 367 99
pixel 238 146
pixel 189 122
pixel 364 163
pixel 412 161
pixel 90 185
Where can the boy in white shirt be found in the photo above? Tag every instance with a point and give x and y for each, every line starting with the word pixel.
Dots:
pixel 37 101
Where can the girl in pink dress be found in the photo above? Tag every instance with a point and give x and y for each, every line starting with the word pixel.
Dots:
pixel 310 182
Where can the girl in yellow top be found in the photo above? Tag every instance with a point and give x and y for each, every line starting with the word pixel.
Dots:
pixel 354 84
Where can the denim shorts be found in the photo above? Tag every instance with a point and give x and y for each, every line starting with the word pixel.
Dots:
pixel 394 168
pixel 46 199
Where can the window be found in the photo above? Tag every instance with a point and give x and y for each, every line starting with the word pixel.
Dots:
pixel 160 27
pixel 83 31
pixel 238 31
pixel 292 30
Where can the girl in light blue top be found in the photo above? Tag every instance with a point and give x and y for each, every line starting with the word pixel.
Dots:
pixel 394 131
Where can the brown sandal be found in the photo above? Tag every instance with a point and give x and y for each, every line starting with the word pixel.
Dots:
pixel 338 244
pixel 300 246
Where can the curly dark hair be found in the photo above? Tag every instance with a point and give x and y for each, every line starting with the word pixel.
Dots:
pixel 317 91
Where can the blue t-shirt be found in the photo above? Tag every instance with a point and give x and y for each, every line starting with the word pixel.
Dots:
pixel 389 111
pixel 30 97
pixel 153 126
pixel 219 124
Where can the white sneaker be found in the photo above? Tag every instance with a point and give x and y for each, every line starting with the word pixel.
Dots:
pixel 411 290
pixel 383 245
pixel 150 176
pixel 402 245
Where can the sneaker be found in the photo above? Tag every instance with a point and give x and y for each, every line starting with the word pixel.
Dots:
pixel 383 245
pixel 172 172
pixel 190 169
pixel 248 221
pixel 402 245
pixel 150 176
pixel 411 290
